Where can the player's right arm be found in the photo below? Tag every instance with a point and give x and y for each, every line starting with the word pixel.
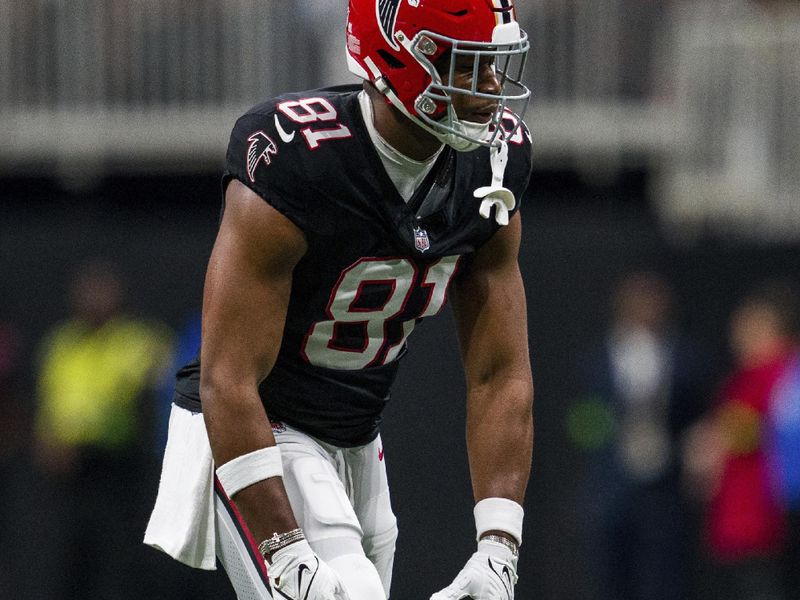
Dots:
pixel 245 301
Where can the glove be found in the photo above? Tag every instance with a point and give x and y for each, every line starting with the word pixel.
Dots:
pixel 296 573
pixel 490 574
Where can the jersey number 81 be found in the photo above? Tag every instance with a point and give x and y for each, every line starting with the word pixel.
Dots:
pixel 401 278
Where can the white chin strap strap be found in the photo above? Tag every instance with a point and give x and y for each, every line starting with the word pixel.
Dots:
pixel 467 128
pixel 494 194
pixel 451 139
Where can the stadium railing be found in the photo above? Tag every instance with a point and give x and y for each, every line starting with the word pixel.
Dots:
pixel 706 94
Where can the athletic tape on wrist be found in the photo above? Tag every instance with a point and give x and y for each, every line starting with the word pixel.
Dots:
pixel 250 468
pixel 499 514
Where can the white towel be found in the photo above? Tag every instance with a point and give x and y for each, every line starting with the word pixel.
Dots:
pixel 182 522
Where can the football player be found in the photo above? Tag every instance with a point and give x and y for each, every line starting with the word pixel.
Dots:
pixel 350 214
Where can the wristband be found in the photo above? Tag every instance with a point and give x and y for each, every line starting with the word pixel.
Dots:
pixel 250 468
pixel 499 514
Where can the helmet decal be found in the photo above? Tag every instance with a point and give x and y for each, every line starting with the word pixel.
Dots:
pixel 387 17
pixel 504 11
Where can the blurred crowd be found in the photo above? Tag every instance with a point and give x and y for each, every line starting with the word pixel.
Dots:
pixel 79 451
pixel 691 485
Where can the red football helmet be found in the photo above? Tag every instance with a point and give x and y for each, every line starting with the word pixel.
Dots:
pixel 398 45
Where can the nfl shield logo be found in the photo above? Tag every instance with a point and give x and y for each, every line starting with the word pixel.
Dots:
pixel 421 241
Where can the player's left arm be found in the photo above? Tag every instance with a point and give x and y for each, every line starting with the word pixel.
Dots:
pixel 489 302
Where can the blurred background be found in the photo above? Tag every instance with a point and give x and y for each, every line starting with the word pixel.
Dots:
pixel 661 258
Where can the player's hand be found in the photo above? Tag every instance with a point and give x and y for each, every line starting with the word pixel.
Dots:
pixel 296 573
pixel 490 574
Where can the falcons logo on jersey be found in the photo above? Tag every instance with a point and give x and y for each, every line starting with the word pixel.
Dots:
pixel 261 146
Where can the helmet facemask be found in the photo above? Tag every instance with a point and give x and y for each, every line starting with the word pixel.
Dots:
pixel 434 106
pixel 393 45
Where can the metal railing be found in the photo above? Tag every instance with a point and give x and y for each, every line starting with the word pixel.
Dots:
pixel 99 82
pixel 707 94
pixel 737 89
pixel 108 81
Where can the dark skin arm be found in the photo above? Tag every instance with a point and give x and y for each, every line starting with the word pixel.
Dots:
pixel 489 303
pixel 244 309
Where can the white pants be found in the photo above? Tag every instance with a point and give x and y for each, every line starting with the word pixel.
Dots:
pixel 340 498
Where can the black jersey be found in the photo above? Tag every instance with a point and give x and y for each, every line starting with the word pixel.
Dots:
pixel 375 265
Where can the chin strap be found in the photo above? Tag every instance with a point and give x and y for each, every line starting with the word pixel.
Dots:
pixel 495 194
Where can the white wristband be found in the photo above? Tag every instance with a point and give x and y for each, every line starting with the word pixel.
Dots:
pixel 499 514
pixel 250 468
